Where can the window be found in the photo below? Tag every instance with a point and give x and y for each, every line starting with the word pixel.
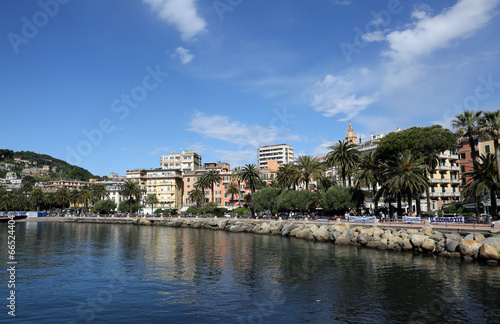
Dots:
pixel 189 186
pixel 225 186
pixel 462 168
pixel 188 179
pixel 462 156
pixel 487 149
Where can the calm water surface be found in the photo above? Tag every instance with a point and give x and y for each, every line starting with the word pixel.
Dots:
pixel 83 273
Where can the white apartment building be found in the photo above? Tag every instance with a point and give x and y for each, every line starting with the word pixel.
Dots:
pixel 283 153
pixel 186 161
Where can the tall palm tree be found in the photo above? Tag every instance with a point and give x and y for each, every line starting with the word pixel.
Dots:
pixel 466 125
pixel 484 179
pixel 309 169
pixel 490 126
pixel 130 189
pixel 288 176
pixel 63 197
pixel 233 189
pixel 74 197
pixel 100 191
pixel 236 176
pixel 86 196
pixel 342 155
pixel 406 175
pixel 37 196
pixel 251 175
pixel 197 195
pixel 369 174
pixel 210 179
pixel 152 200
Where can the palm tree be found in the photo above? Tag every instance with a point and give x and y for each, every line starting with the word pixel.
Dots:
pixel 152 200
pixel 210 179
pixel 484 179
pixel 466 125
pixel 309 169
pixel 490 126
pixel 369 174
pixel 233 189
pixel 130 189
pixel 86 196
pixel 431 160
pixel 251 176
pixel 197 195
pixel 74 197
pixel 37 196
pixel 288 176
pixel 406 175
pixel 100 191
pixel 236 175
pixel 342 155
pixel 63 197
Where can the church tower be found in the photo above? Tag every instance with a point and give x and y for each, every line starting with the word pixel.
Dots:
pixel 350 136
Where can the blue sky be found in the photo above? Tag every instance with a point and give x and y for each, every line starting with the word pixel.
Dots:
pixel 112 85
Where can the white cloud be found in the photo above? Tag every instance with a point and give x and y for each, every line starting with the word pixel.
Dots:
pixel 183 55
pixel 375 36
pixel 334 95
pixel 428 33
pixel 237 158
pixel 223 128
pixel 342 2
pixel 180 13
pixel 159 150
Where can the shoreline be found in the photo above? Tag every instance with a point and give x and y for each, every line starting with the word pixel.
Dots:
pixel 470 243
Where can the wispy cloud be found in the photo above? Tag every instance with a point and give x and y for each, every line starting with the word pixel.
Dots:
pixel 159 150
pixel 182 54
pixel 341 2
pixel 335 95
pixel 430 33
pixel 180 13
pixel 223 128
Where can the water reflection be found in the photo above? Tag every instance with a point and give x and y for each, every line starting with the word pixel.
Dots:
pixel 192 275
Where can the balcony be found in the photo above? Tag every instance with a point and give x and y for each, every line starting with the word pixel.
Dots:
pixel 436 194
pixel 455 168
pixel 434 180
pixel 455 181
pixel 443 156
pixel 443 167
pixel 454 156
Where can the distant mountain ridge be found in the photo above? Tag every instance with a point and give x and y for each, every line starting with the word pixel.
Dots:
pixel 63 170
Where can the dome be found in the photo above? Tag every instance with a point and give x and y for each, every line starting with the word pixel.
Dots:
pixel 351 135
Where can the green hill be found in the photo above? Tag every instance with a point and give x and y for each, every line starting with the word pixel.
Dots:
pixel 63 169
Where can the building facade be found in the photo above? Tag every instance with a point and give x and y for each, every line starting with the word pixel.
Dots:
pixel 167 186
pixel 283 153
pixel 186 161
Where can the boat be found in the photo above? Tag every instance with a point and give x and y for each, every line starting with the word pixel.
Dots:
pixel 5 217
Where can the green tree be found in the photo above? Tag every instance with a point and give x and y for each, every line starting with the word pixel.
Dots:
pixel 266 199
pixel 338 200
pixel 86 197
pixel 288 176
pixel 466 126
pixel 236 176
pixel 197 195
pixel 344 156
pixel 37 197
pixel 369 174
pixel 63 197
pixel 484 179
pixel 406 175
pixel 309 169
pixel 489 125
pixel 233 190
pixel 210 179
pixel 104 206
pixel 130 189
pixel 131 206
pixel 152 200
pixel 100 191
pixel 251 176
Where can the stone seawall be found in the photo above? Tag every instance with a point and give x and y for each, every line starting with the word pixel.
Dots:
pixel 474 246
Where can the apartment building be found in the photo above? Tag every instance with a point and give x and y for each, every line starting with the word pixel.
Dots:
pixel 283 153
pixel 139 176
pixel 186 161
pixel 221 197
pixel 269 171
pixel 445 181
pixel 167 186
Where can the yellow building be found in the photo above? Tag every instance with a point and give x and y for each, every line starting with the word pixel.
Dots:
pixel 167 185
pixel 445 181
pixel 139 176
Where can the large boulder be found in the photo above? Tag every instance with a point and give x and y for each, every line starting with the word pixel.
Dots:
pixel 496 245
pixel 470 248
pixel 429 245
pixel 288 228
pixel 372 244
pixel 453 237
pixel 144 221
pixel 492 239
pixel 406 244
pixel 321 234
pixel 342 240
pixel 305 234
pixel 452 246
pixel 469 237
pixel 417 239
pixel 363 238
pixel 479 237
pixel 437 236
pixel 488 252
